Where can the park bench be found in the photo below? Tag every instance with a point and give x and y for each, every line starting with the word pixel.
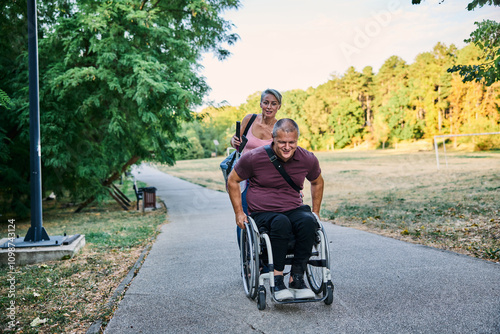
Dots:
pixel 138 193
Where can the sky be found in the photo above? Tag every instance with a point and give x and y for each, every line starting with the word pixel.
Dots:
pixel 297 44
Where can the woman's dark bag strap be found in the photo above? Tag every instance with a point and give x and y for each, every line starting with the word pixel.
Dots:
pixel 244 138
pixel 279 167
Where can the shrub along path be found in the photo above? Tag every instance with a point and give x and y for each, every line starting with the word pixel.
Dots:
pixel 190 282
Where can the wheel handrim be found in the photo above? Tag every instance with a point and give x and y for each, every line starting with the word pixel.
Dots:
pixel 248 263
pixel 315 266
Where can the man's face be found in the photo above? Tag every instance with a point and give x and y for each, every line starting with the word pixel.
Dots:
pixel 285 144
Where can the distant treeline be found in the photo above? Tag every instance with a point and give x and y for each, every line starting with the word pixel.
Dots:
pixel 402 102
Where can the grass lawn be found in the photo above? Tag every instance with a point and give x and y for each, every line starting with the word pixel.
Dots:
pixel 68 296
pixel 402 195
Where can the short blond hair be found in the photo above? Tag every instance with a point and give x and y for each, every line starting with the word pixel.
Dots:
pixel 273 92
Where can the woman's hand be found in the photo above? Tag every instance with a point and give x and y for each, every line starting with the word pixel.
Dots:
pixel 235 141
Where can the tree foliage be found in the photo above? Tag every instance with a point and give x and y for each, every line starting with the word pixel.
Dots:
pixel 117 81
pixel 487 38
pixel 4 100
pixel 400 103
pixel 347 120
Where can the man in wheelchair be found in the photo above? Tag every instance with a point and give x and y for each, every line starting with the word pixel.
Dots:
pixel 275 202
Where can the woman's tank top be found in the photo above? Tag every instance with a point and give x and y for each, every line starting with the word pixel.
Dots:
pixel 254 142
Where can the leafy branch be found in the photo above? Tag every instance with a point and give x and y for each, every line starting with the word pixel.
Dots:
pixel 4 100
pixel 487 38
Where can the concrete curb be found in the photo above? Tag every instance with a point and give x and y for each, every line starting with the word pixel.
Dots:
pixel 97 325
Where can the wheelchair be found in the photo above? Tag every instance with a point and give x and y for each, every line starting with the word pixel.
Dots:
pixel 256 253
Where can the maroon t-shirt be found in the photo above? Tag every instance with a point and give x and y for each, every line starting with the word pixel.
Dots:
pixel 268 190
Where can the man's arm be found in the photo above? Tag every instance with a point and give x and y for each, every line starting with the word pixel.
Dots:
pixel 234 190
pixel 317 193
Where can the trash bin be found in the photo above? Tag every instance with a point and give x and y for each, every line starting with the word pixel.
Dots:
pixel 149 197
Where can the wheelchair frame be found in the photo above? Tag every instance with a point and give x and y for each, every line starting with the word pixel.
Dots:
pixel 317 270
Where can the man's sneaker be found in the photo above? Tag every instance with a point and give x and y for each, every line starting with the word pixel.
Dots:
pixel 280 290
pixel 299 289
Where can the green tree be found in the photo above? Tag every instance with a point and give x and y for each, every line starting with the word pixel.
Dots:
pixel 118 79
pixel 193 148
pixel 218 124
pixel 293 107
pixel 392 75
pixel 381 130
pixel 367 94
pixel 429 86
pixel 316 123
pixel 401 120
pixel 352 83
pixel 347 120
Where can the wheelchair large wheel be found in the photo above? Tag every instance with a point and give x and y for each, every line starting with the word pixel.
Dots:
pixel 249 258
pixel 315 266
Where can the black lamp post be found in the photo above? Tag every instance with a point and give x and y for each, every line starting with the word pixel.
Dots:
pixel 36 232
pixel 36 235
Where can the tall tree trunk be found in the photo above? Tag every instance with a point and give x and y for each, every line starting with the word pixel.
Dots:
pixel 440 116
pixel 368 112
pixel 109 181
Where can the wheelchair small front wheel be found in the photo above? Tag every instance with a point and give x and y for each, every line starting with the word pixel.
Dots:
pixel 329 293
pixel 261 298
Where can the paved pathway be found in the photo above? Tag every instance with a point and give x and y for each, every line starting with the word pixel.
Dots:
pixel 190 281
